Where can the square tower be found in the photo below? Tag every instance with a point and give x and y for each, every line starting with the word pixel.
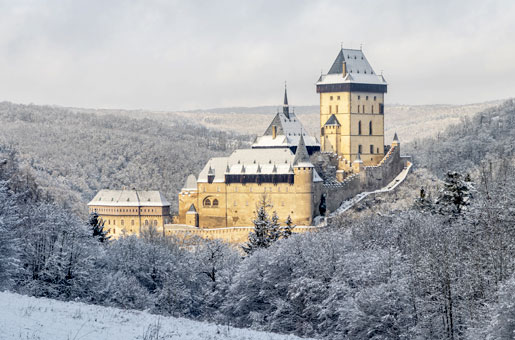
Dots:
pixel 352 108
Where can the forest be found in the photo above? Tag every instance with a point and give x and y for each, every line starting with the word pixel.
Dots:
pixel 435 263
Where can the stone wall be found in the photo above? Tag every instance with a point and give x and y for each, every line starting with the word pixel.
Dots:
pixel 370 178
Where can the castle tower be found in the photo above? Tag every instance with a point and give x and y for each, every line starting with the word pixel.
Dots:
pixel 303 174
pixel 352 94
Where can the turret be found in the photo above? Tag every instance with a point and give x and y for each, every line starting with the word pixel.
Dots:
pixel 303 181
pixel 357 165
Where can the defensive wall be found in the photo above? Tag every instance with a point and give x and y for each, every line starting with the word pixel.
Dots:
pixel 369 178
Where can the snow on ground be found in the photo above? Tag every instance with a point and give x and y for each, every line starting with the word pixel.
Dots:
pixel 29 318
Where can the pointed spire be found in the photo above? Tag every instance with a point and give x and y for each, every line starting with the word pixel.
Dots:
pixel 192 208
pixel 258 169
pixel 274 169
pixel 286 108
pixel 243 169
pixel 301 154
pixel 227 169
pixel 211 171
pixel 395 138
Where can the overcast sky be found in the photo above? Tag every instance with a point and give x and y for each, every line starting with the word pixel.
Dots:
pixel 174 55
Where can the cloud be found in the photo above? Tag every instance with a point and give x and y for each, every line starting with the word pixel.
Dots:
pixel 169 55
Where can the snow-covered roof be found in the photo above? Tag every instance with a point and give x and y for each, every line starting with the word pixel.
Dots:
pixel 191 183
pixel 358 70
pixel 288 132
pixel 129 198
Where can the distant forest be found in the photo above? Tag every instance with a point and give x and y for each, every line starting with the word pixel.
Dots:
pixel 73 155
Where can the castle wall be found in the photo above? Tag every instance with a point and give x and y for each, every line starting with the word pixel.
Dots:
pixel 370 178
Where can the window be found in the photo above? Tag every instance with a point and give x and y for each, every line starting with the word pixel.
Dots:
pixel 114 230
pixel 330 109
pixel 336 111
pixel 371 149
pixel 367 97
pixel 338 97
pixel 215 203
pixel 359 127
pixel 377 150
pixel 359 97
pixel 370 129
pixel 363 108
pixel 207 202
pixel 121 222
pixel 360 149
pixel 381 108
pixel 331 98
pixel 146 223
pixel 372 108
pixel 375 97
pixel 132 222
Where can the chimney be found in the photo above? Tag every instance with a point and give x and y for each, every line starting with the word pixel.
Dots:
pixel 344 68
pixel 274 131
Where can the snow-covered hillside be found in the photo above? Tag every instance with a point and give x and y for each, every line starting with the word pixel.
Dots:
pixel 24 317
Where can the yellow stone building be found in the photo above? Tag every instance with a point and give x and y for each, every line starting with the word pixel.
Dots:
pixel 352 109
pixel 277 168
pixel 130 211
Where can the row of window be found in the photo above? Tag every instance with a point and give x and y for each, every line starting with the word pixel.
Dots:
pixel 360 149
pixel 361 109
pixel 121 210
pixel 359 97
pixel 369 128
pixel 122 222
pixel 270 189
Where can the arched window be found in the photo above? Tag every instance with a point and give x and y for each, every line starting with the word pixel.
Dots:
pixel 121 222
pixel 370 128
pixel 207 202
pixel 359 127
pixel 146 222
pixel 215 203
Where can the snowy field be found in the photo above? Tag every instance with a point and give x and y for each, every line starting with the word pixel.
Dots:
pixel 28 318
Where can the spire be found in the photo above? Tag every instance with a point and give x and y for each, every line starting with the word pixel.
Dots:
pixel 395 138
pixel 301 154
pixel 192 209
pixel 286 108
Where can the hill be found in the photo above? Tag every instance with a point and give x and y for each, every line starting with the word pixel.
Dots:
pixel 75 154
pixel 23 317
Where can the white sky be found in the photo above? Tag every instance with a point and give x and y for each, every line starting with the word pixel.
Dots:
pixel 171 55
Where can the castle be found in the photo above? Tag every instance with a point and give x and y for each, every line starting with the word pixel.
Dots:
pixel 295 174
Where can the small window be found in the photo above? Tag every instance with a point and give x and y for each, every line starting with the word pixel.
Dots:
pixel 207 202
pixel 331 98
pixel 338 97
pixel 359 97
pixel 371 149
pixel 215 203
pixel 372 108
pixel 375 97
pixel 336 111
pixel 330 109
pixel 370 129
pixel 360 149
pixel 366 97
pixel 363 108
pixel 114 230
pixel 359 127
pixel 146 223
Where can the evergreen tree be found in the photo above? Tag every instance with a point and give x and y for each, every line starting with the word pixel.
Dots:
pixel 287 230
pixel 455 195
pixel 97 227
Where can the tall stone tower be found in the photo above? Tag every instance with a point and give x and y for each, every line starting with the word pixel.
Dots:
pixel 352 108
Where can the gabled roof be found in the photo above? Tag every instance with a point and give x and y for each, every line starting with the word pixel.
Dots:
pixel 129 198
pixel 332 121
pixel 358 70
pixel 288 131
